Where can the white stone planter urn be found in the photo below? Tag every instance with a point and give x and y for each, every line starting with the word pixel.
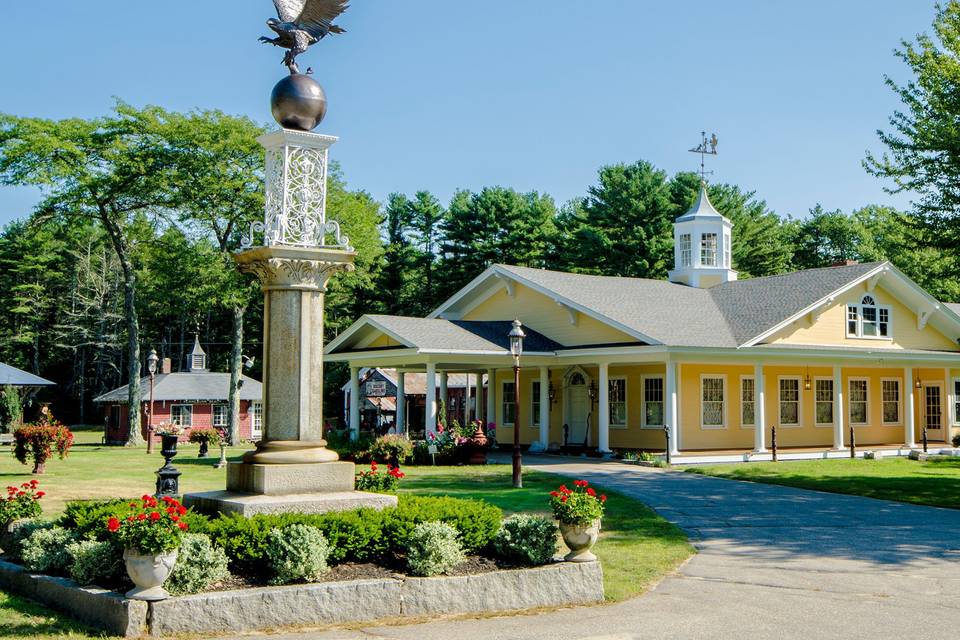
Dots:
pixel 148 573
pixel 580 538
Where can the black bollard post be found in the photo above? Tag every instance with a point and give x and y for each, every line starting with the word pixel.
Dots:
pixel 923 434
pixel 666 433
pixel 773 441
pixel 853 443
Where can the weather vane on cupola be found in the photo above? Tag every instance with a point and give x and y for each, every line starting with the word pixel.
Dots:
pixel 708 147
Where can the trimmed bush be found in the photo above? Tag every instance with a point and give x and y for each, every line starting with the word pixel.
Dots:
pixel 45 550
pixel 477 522
pixel 391 449
pixel 297 552
pixel 526 539
pixel 200 564
pixel 88 518
pixel 433 549
pixel 94 562
pixel 21 530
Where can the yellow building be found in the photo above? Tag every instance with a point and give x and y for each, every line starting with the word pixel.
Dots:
pixel 712 362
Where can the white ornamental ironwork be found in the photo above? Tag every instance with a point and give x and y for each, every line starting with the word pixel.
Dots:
pixel 295 202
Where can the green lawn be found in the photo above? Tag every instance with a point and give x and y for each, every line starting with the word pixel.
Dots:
pixel 637 547
pixel 935 483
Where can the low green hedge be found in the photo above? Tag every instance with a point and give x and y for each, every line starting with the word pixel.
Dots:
pixel 87 519
pixel 363 535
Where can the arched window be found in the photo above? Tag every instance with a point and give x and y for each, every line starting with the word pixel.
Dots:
pixel 868 319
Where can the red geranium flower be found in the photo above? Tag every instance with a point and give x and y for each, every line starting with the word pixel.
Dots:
pixel 113 524
pixel 181 510
pixel 155 515
pixel 182 525
pixel 591 492
pixel 40 494
pixel 141 516
pixel 603 498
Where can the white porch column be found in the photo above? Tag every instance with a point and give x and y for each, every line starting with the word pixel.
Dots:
pixel 401 418
pixel 466 398
pixel 480 407
pixel 354 403
pixel 444 396
pixel 839 415
pixel 951 418
pixel 430 402
pixel 491 396
pixel 603 419
pixel 908 425
pixel 670 393
pixel 544 407
pixel 759 408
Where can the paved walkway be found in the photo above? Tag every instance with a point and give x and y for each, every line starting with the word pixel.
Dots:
pixel 774 562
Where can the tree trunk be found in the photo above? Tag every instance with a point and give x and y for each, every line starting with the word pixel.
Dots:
pixel 236 368
pixel 134 436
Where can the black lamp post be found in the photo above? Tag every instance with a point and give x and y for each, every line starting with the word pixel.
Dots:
pixel 516 350
pixel 152 360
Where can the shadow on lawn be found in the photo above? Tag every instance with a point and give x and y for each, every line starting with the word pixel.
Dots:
pixel 20 618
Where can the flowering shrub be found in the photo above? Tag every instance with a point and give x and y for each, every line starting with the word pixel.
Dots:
pixel 169 429
pixel 376 482
pixel 21 502
pixel 393 448
pixel 210 436
pixel 580 506
pixel 36 441
pixel 151 527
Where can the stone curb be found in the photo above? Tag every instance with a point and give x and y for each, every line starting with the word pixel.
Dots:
pixel 91 605
pixel 314 604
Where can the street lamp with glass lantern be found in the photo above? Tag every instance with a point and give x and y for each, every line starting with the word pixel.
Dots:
pixel 516 350
pixel 152 360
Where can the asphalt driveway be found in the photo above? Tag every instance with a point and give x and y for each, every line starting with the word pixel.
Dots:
pixel 773 562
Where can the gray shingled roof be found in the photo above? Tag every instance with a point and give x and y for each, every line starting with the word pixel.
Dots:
pixel 437 333
pixel 196 385
pixel 726 315
pixel 13 377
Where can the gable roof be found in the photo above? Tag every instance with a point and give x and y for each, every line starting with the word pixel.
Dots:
pixel 196 386
pixel 414 383
pixel 13 377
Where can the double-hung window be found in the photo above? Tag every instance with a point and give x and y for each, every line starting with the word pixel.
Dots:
pixel 708 249
pixel 535 404
pixel 256 420
pixel 182 415
pixel 713 411
pixel 890 392
pixel 859 397
pixel 789 402
pixel 508 403
pixel 686 252
pixel 956 401
pixel 868 319
pixel 618 402
pixel 220 415
pixel 748 401
pixel 823 400
pixel 653 402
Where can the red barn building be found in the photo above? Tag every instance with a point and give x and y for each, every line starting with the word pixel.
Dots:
pixel 194 398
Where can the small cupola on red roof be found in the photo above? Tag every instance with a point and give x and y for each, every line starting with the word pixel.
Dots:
pixel 198 357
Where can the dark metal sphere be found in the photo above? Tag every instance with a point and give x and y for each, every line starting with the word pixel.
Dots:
pixel 298 102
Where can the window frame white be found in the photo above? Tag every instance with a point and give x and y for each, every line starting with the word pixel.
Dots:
pixel 180 405
pixel 727 250
pixel 535 403
pixel 883 402
pixel 213 415
pixel 753 413
pixel 956 401
pixel 725 405
pixel 643 401
pixel 685 249
pixel 256 416
pixel 626 409
pixel 799 401
pixel 704 248
pixel 504 403
pixel 858 308
pixel 849 401
pixel 832 402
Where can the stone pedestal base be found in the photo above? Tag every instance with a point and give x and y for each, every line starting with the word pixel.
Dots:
pixel 284 479
pixel 229 502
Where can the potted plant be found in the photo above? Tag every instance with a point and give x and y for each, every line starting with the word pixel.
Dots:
pixel 150 536
pixel 375 482
pixel 36 441
pixel 579 512
pixel 204 437
pixel 21 503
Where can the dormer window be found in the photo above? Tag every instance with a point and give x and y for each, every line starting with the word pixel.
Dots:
pixel 868 320
pixel 686 251
pixel 708 249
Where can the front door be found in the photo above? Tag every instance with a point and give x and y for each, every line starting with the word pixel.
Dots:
pixel 578 410
pixel 932 410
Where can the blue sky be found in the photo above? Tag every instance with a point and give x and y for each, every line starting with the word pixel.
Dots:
pixel 531 94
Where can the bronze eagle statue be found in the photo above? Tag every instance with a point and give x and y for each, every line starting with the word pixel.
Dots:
pixel 303 23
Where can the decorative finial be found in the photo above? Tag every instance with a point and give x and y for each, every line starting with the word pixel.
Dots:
pixel 707 147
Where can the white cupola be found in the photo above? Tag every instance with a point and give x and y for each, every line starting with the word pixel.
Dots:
pixel 701 246
pixel 197 361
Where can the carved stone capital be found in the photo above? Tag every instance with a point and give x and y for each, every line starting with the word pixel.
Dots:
pixel 299 268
